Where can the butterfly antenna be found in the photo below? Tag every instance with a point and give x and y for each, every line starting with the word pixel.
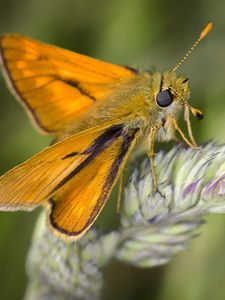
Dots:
pixel 202 35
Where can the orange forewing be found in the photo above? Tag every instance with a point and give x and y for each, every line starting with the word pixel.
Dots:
pixel 56 85
pixel 72 178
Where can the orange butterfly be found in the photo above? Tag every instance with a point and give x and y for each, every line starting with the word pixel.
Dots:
pixel 98 112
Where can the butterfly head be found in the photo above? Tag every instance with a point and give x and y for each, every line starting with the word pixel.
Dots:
pixel 171 95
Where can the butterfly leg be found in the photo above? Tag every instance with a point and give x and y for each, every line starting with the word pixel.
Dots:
pixel 176 126
pixel 152 135
pixel 187 119
pixel 120 192
pixel 151 154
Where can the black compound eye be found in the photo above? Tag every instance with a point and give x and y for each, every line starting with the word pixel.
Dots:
pixel 164 98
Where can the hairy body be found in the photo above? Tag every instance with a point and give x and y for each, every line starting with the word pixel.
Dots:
pixel 134 104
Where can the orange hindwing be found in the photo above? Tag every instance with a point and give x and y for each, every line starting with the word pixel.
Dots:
pixel 72 178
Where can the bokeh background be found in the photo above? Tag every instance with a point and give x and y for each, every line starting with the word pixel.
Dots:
pixel 146 33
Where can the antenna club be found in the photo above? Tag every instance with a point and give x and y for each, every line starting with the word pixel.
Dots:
pixel 206 30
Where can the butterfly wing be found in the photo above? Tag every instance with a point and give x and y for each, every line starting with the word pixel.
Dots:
pixel 56 85
pixel 73 185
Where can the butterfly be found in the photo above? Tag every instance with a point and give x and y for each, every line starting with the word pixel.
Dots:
pixel 99 113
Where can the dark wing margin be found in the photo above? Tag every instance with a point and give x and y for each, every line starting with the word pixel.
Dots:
pixel 101 144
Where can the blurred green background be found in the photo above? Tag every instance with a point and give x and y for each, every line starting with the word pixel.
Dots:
pixel 146 33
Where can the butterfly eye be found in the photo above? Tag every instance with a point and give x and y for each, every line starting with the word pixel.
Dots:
pixel 164 98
